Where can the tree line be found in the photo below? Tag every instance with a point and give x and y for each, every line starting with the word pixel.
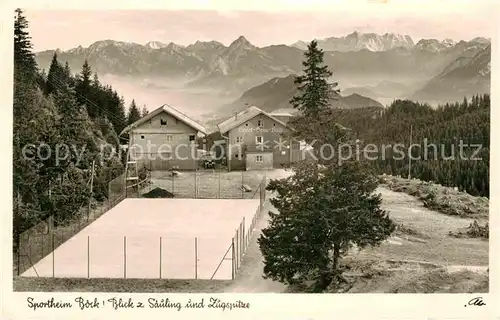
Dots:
pixel 61 123
pixel 436 135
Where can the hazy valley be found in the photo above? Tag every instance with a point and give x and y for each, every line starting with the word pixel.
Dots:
pixel 209 80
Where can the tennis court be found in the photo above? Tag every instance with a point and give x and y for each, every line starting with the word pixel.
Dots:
pixel 157 238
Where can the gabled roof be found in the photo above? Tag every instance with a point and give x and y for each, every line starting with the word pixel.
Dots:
pixel 243 116
pixel 171 111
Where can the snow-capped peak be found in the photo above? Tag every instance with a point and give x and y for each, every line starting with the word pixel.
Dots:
pixel 448 42
pixel 155 45
pixel 358 41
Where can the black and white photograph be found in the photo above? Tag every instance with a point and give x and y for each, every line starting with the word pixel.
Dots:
pixel 335 151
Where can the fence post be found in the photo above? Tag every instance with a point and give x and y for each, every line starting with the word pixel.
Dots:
pixel 242 190
pixel 195 185
pixel 241 240
pixel 196 257
pixel 125 257
pixel 53 258
pixel 43 244
pixel 18 255
pixel 232 259
pixel 244 235
pixel 160 257
pixel 237 249
pixel 29 246
pixel 88 257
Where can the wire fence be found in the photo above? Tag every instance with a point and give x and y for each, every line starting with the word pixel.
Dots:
pixel 35 243
pixel 147 257
pixel 209 184
pixel 242 237
pixel 40 243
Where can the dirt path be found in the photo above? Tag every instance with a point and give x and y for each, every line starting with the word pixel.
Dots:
pixel 249 278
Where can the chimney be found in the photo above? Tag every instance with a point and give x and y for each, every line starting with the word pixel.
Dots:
pixel 236 116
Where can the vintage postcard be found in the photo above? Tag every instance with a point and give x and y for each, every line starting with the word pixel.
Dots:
pixel 257 160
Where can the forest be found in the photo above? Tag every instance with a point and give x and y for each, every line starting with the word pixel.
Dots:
pixel 63 123
pixel 436 135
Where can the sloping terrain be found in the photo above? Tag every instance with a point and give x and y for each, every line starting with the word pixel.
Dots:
pixel 276 93
pixel 465 76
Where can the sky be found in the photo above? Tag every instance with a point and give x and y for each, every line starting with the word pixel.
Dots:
pixel 440 19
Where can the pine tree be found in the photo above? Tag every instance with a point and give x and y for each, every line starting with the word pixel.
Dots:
pixel 144 111
pixel 317 124
pixel 314 90
pixel 133 113
pixel 322 213
pixel 68 77
pixel 24 58
pixel 55 77
pixel 83 89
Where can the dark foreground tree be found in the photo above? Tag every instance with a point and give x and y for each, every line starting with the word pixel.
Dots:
pixel 323 212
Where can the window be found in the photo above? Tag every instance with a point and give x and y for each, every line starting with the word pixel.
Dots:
pixel 169 138
pixel 260 123
pixel 283 152
pixel 259 158
pixel 259 139
pixel 246 124
pixel 239 139
pixel 163 122
pixel 236 155
pixel 191 137
pixel 142 137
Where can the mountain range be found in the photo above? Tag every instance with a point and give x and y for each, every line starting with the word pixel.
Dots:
pixel 357 41
pixel 357 60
